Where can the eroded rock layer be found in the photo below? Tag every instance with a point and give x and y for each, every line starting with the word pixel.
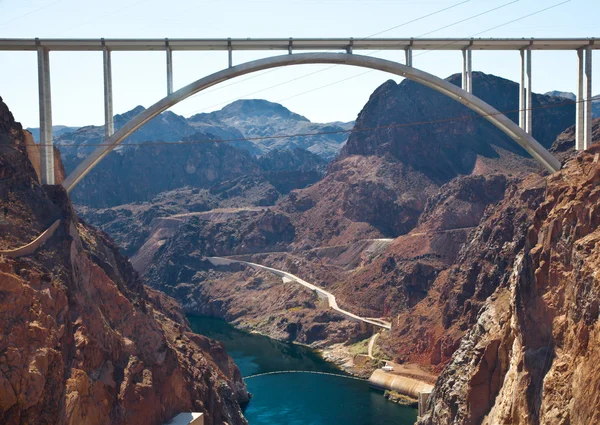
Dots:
pixel 82 340
pixel 532 355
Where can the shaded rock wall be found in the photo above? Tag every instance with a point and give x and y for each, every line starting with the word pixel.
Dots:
pixel 532 357
pixel 82 340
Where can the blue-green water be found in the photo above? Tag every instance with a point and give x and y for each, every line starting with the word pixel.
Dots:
pixel 298 398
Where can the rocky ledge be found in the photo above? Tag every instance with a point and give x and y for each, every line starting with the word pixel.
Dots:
pixel 82 340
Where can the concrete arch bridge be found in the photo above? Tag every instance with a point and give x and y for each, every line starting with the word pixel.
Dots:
pixel 521 133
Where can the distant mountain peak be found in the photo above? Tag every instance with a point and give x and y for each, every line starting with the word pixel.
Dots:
pixel 563 94
pixel 126 116
pixel 259 107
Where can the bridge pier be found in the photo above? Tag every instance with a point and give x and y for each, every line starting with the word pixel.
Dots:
pixel 408 53
pixel 230 51
pixel 467 75
pixel 583 129
pixel 169 67
pixel 46 145
pixel 583 107
pixel 109 125
pixel 525 96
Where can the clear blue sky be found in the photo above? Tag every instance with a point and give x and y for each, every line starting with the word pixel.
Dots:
pixel 139 78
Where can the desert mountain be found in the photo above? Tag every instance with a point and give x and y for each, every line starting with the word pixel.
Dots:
pixel 237 121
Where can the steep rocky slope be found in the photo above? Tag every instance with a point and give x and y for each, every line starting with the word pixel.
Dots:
pixel 142 172
pixel 532 356
pixel 382 179
pixel 331 233
pixel 82 340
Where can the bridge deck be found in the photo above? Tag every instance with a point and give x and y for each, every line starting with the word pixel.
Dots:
pixel 301 44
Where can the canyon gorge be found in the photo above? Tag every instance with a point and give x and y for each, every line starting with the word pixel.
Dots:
pixel 434 221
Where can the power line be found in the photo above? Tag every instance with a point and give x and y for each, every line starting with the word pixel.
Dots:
pixel 499 26
pixel 329 67
pixel 371 54
pixel 31 12
pixel 322 133
pixel 431 50
pixel 110 13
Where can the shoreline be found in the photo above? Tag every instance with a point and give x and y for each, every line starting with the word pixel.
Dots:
pixel 357 365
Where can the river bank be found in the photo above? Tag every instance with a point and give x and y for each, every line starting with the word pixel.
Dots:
pixel 300 398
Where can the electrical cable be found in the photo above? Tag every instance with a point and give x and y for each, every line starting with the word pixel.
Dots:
pixel 428 51
pixel 31 12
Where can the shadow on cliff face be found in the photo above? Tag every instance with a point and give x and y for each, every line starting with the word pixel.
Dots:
pixel 82 339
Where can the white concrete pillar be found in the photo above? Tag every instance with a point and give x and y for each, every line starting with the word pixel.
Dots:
pixel 408 54
pixel 169 68
pixel 109 125
pixel 522 90
pixel 469 70
pixel 464 70
pixel 579 105
pixel 46 144
pixel 528 93
pixel 230 52
pixel 587 92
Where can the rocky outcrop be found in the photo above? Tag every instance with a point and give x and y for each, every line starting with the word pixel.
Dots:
pixel 532 355
pixel 454 138
pixel 82 340
pixel 564 146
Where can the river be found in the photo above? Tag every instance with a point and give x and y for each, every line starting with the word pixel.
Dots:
pixel 299 398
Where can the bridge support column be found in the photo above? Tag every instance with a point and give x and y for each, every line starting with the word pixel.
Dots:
pixel 522 103
pixel 528 95
pixel 467 75
pixel 587 92
pixel 408 54
pixel 583 107
pixel 525 97
pixel 46 145
pixel 169 52
pixel 579 105
pixel 230 52
pixel 109 125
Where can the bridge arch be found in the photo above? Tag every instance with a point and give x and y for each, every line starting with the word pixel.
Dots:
pixel 534 148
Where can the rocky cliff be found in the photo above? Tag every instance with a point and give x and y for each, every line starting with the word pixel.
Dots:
pixel 531 356
pixel 82 340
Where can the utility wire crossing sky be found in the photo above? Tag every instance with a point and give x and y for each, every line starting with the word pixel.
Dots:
pixel 322 93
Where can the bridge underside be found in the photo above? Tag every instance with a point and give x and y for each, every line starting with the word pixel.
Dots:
pixel 518 134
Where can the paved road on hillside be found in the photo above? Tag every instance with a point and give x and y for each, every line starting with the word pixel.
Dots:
pixel 218 261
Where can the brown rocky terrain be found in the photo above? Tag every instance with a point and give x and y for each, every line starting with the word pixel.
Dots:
pixel 82 340
pixel 531 356
pixel 379 187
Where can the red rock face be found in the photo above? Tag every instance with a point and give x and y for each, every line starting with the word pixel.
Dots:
pixel 532 356
pixel 82 340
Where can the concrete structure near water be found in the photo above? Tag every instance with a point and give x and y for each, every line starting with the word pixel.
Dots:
pixel 188 418
pixel 404 385
pixel 401 384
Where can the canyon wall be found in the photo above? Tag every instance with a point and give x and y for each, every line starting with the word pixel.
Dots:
pixel 82 340
pixel 532 356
